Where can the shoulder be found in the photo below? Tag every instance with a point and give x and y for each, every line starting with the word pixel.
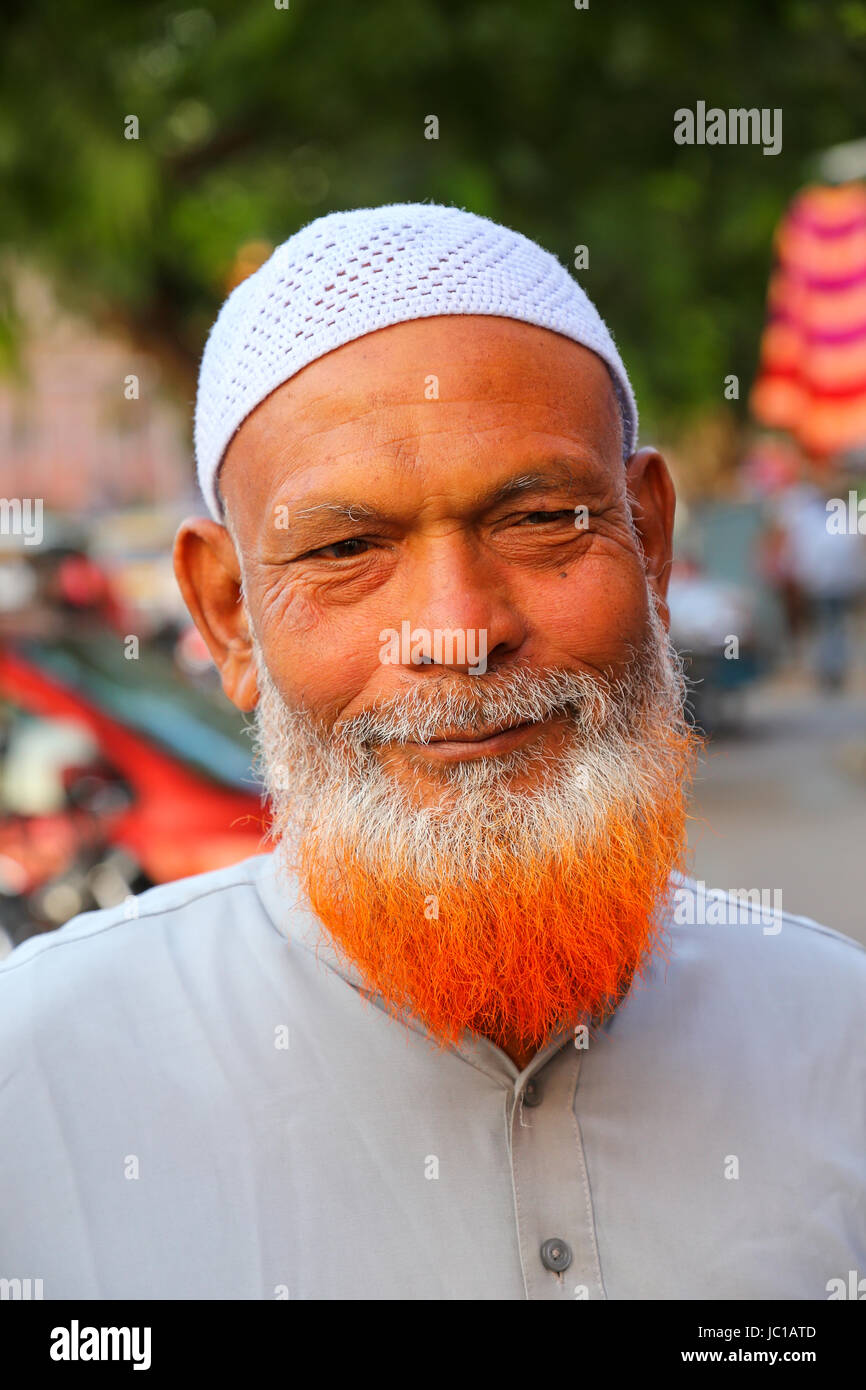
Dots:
pixel 744 945
pixel 133 936
pixel 696 904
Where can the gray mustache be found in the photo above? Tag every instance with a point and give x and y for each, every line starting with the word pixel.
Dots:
pixel 420 716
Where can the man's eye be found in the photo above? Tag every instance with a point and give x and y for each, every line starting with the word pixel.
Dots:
pixel 338 551
pixel 544 518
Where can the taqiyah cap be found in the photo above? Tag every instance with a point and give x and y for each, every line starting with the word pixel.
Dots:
pixel 350 273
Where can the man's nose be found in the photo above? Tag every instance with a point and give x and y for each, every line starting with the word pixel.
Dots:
pixel 458 608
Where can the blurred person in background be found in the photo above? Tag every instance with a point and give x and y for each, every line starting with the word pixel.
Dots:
pixel 827 567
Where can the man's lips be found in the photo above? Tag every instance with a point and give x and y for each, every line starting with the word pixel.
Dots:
pixel 464 737
pixel 454 747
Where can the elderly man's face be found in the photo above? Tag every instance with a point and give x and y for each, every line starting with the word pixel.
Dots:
pixel 498 509
pixel 457 476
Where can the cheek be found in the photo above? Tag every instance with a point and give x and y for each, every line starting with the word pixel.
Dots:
pixel 598 613
pixel 325 660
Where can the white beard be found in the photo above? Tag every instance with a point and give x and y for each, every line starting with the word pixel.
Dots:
pixel 328 787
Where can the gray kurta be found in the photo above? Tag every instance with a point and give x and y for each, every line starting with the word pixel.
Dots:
pixel 194 1104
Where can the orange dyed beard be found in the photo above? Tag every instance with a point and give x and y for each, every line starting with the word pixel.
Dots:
pixel 508 909
pixel 538 948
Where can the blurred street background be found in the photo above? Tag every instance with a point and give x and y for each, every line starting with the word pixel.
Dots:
pixel 152 156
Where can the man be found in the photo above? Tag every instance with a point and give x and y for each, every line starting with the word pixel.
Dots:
pixel 466 1032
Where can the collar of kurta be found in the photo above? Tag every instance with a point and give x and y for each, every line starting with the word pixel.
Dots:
pixel 302 929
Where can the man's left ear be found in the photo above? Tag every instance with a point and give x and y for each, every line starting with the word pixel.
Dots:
pixel 653 500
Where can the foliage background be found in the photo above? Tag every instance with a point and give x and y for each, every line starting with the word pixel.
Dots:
pixel 253 120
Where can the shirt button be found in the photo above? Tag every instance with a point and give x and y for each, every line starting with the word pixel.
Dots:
pixel 532 1093
pixel 556 1255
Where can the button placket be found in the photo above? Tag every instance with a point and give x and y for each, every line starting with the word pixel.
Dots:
pixel 530 1097
pixel 556 1230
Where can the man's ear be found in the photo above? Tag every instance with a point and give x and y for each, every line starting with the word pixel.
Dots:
pixel 209 575
pixel 653 499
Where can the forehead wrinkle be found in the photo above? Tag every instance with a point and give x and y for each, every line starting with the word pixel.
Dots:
pixel 331 412
pixel 336 405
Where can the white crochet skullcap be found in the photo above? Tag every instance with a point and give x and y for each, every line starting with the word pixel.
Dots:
pixel 350 273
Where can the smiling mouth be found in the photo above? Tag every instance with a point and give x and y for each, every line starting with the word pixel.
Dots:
pixel 453 747
pixel 478 738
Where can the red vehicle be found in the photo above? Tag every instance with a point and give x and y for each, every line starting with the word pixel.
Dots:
pixel 110 804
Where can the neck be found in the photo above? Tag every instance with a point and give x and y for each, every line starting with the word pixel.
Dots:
pixel 520 1055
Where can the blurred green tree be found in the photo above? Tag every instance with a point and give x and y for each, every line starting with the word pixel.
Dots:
pixel 254 119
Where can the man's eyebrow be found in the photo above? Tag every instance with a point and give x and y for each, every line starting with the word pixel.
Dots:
pixel 563 472
pixel 346 511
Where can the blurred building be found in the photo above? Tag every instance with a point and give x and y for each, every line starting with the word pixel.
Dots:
pixel 85 425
